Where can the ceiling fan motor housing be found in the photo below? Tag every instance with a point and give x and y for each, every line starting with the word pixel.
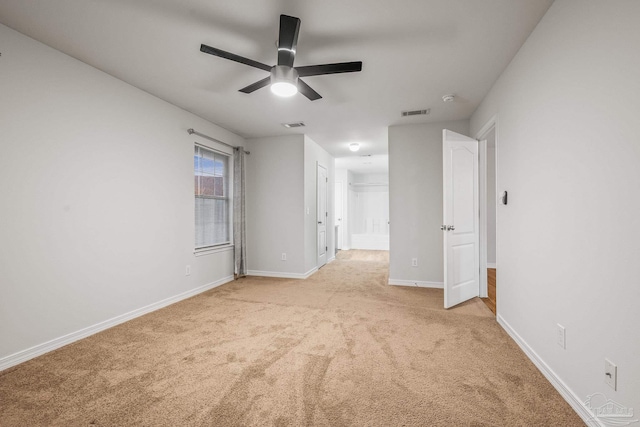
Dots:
pixel 283 73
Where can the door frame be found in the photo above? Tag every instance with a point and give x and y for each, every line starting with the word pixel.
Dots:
pixel 338 195
pixel 481 135
pixel 325 221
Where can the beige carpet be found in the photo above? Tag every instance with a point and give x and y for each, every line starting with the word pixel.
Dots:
pixel 341 348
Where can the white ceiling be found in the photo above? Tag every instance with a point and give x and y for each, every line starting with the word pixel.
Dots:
pixel 364 163
pixel 413 53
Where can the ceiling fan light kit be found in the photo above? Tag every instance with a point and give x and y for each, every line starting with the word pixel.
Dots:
pixel 284 79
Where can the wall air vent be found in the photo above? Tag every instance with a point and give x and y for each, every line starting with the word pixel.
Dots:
pixel 416 112
pixel 293 125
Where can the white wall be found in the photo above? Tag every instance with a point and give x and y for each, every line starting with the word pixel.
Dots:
pixel 492 197
pixel 274 204
pixel 349 206
pixel 314 155
pixel 281 189
pixel 569 155
pixel 415 201
pixel 96 206
pixel 342 178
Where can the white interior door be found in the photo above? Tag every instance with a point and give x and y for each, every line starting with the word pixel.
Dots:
pixel 461 218
pixel 322 215
pixel 338 216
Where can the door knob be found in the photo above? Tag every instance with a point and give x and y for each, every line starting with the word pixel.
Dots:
pixel 450 228
pixel 443 227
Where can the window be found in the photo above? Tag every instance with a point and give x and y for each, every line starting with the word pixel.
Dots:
pixel 211 178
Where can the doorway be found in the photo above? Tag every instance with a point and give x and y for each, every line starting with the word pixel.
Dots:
pixel 362 202
pixel 338 215
pixel 488 214
pixel 322 214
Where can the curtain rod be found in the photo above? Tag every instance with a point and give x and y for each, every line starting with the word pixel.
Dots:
pixel 194 132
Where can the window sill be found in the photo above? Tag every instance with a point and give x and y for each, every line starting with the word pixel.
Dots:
pixel 214 250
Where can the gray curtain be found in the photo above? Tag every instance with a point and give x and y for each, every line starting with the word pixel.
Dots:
pixel 239 228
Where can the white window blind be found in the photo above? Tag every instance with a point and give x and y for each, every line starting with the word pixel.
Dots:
pixel 212 203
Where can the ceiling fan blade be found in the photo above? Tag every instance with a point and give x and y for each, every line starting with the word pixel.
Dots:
pixel 257 85
pixel 226 55
pixel 342 67
pixel 306 90
pixel 288 39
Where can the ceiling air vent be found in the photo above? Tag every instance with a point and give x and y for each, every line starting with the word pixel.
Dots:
pixel 293 125
pixel 416 112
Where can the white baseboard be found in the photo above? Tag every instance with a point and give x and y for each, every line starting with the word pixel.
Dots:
pixel 418 283
pixel 567 394
pixel 40 349
pixel 282 274
pixel 491 265
pixel 333 258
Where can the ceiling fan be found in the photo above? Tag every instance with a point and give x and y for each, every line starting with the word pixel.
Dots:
pixel 284 78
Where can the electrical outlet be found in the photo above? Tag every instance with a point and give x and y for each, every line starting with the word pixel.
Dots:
pixel 187 271
pixel 284 256
pixel 561 336
pixel 414 262
pixel 610 373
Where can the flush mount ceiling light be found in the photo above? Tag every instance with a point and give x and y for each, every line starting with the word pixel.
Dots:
pixel 284 81
pixel 354 146
pixel 448 98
